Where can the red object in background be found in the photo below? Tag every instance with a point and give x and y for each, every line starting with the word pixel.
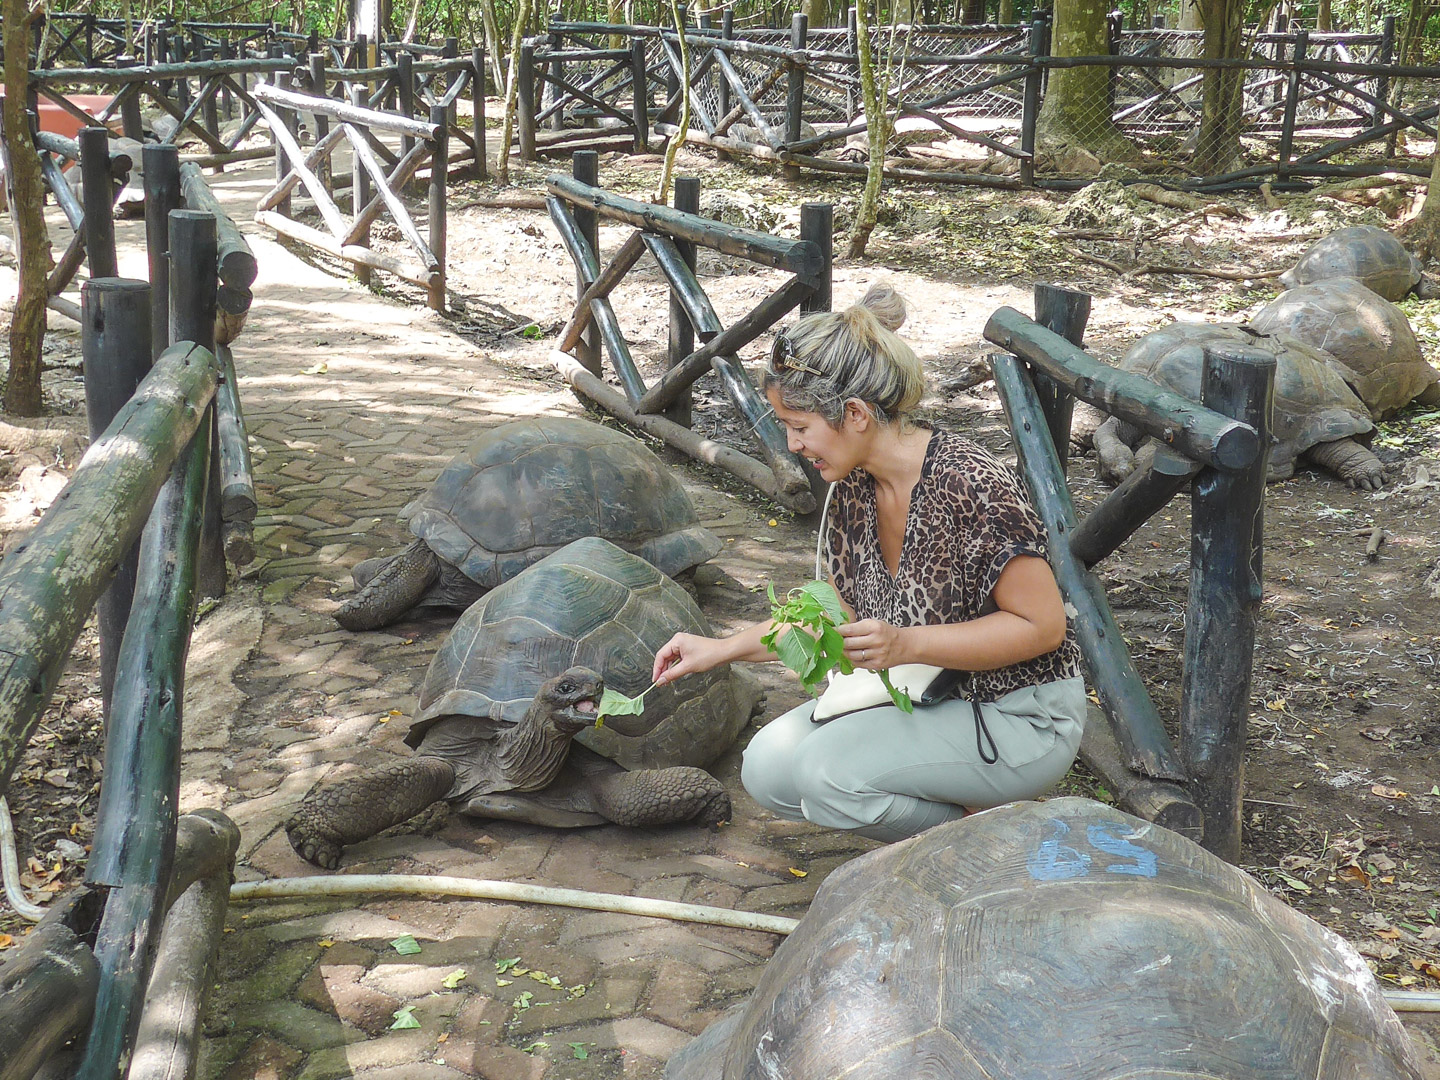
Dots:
pixel 55 119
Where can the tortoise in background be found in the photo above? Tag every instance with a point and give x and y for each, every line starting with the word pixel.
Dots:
pixel 517 679
pixel 1365 332
pixel 1316 415
pixel 1061 940
pixel 521 491
pixel 1368 254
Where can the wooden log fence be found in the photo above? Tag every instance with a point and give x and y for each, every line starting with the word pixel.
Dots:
pixel 670 236
pixel 1219 445
pixel 85 976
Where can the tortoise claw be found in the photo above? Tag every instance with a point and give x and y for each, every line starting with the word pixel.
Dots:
pixel 311 846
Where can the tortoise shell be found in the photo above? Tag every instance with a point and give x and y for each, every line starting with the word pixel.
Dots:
pixel 593 605
pixel 527 488
pixel 1370 255
pixel 1360 328
pixel 1313 400
pixel 1061 940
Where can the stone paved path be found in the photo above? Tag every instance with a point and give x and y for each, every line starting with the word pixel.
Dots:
pixel 279 698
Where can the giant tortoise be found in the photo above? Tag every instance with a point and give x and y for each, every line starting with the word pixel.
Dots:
pixel 1061 940
pixel 1369 254
pixel 521 491
pixel 1365 332
pixel 1316 415
pixel 518 678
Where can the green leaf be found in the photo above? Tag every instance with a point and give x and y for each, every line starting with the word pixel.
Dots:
pixel 614 703
pixel 404 1018
pixel 502 966
pixel 1294 883
pixel 832 647
pixel 829 600
pixel 900 697
pixel 523 1001
pixel 578 1049
pixel 406 945
pixel 538 1044
pixel 454 979
pixel 797 650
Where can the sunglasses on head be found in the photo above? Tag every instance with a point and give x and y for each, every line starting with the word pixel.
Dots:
pixel 783 355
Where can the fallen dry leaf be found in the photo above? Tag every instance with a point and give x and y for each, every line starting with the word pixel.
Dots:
pixel 1387 792
pixel 799 873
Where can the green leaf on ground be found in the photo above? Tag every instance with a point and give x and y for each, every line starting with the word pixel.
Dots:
pixel 404 1018
pixel 406 945
pixel 538 1044
pixel 502 966
pixel 578 1049
pixel 454 979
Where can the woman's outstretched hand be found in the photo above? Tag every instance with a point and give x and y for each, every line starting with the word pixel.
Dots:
pixel 872 644
pixel 686 654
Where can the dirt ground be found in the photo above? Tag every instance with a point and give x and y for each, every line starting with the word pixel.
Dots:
pixel 1342 814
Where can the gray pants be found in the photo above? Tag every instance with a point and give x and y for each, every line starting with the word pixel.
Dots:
pixel 887 775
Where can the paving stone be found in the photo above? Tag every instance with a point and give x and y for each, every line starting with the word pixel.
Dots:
pixel 496 1063
pixel 398 1049
pixel 265 1059
pixel 674 994
pixel 640 1036
pixel 293 1023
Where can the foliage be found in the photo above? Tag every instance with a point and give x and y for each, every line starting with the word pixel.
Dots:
pixel 805 639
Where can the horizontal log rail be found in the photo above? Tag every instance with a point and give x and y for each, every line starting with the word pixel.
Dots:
pixel 1197 432
pixel 49 584
pixel 338 110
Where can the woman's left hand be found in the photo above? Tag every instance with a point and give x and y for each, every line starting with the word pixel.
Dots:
pixel 872 644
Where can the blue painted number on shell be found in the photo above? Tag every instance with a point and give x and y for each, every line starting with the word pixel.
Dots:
pixel 1101 839
pixel 1054 861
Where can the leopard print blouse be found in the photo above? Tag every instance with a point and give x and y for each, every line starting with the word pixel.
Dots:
pixel 969 516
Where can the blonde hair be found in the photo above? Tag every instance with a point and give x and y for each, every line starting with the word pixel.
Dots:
pixel 852 354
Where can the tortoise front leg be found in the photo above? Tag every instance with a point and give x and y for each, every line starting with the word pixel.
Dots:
pixel 1114 441
pixel 661 797
pixel 362 805
pixel 393 591
pixel 1350 461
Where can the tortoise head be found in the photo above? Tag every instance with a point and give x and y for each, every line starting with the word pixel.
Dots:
pixel 572 699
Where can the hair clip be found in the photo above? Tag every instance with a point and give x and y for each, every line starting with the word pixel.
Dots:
pixel 783 355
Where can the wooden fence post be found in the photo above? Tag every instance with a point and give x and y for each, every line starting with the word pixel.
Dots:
pixel 817 224
pixel 552 91
pixel 722 84
pixel 115 345
pixel 639 95
pixel 525 102
pixel 1227 530
pixel 162 194
pixel 439 173
pixel 209 110
pixel 131 122
pixel 795 88
pixel 1065 312
pixel 681 341
pixel 477 108
pixel 852 46
pixel 1382 82
pixel 1293 89
pixel 1114 31
pixel 1031 107
pixel 99 201
pixel 318 82
pixel 162 56
pixel 405 94
pixel 359 188
pixel 227 99
pixel 282 162
pixel 194 279
pixel 585 167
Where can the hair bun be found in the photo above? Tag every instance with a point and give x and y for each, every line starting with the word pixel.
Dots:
pixel 882 301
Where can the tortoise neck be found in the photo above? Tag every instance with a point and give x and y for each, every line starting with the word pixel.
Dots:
pixel 531 754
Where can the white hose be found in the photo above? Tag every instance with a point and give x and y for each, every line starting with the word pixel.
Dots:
pixel 479 889
pixel 10 869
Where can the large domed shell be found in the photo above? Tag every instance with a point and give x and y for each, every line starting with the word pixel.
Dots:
pixel 1313 400
pixel 1360 328
pixel 527 488
pixel 1061 940
pixel 1369 254
pixel 590 604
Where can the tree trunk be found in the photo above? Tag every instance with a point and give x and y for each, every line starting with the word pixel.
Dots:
pixel 492 42
pixel 1218 145
pixel 1422 232
pixel 1074 128
pixel 816 11
pixel 672 148
pixel 1191 15
pixel 1006 15
pixel 877 131
pixel 973 12
pixel 26 197
pixel 1322 17
pixel 512 89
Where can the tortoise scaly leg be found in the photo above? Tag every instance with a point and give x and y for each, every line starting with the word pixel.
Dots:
pixel 661 797
pixel 1350 461
pixel 1114 441
pixel 362 805
pixel 393 591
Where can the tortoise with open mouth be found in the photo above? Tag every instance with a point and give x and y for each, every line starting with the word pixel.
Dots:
pixel 505 726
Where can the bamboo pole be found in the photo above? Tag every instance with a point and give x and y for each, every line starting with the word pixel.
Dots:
pixel 49 583
pixel 1226 552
